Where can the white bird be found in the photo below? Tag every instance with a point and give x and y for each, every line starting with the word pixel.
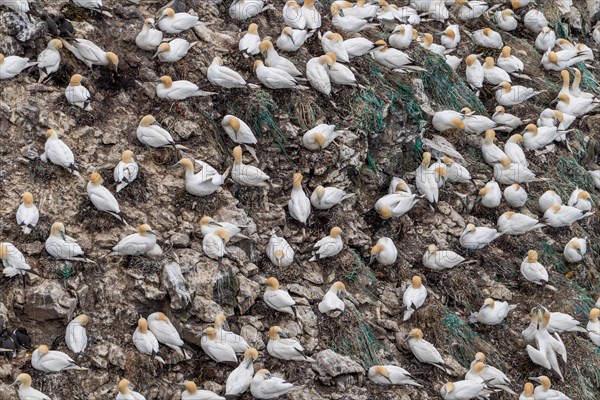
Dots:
pixel 274 78
pixel 595 177
pixel 250 41
pixel 439 260
pixel 476 123
pixel 213 244
pixel 48 61
pixel 348 23
pixel 140 243
pixel 574 250
pixel 399 186
pixel 318 75
pixel 94 5
pixel 225 77
pixel 246 9
pixel 561 322
pixel 25 391
pixel 426 40
pixel 28 214
pixel 173 23
pixel 357 47
pixel 191 392
pixel 506 20
pixel 448 120
pixel 464 390
pixel 102 198
pixel 209 225
pixel 510 63
pixel 392 58
pixel 76 334
pixel 391 375
pixel 293 16
pixel 174 50
pixel 164 331
pixel 329 246
pixel 492 74
pixel 299 204
pixel 544 392
pixel 247 175
pixel 549 199
pixel 536 138
pixel 515 195
pixel 278 299
pixel 324 198
pixel 145 341
pixel 425 180
pixel 219 351
pixel 491 376
pixel 321 136
pixel 535 20
pixel 492 154
pixel 90 54
pixel 512 149
pixel 492 312
pixel 205 182
pixel 476 238
pixel 576 106
pixel 77 94
pixel 467 10
pixel 596 33
pixel 311 15
pixel 126 392
pixel 178 90
pixel 401 37
pixel 512 223
pixel 46 360
pixel 334 42
pixel 474 72
pixel 13 261
pixel 450 37
pixel 331 301
pixel 533 271
pixel 282 347
pixel 240 378
pixel 487 38
pixel 414 297
pixel 238 130
pixel 558 216
pixel 274 60
pixel 149 38
pixel 545 39
pixel 11 66
pixel 507 173
pixel 126 171
pixel 384 251
pixel 291 39
pixel 580 199
pixel 547 345
pixel 150 133
pixel 58 153
pixel 593 326
pixel 490 194
pixel 339 73
pixel 264 385
pixel 396 205
pixel 279 251
pixel 575 90
pixel 508 95
pixel 424 351
pixel 63 247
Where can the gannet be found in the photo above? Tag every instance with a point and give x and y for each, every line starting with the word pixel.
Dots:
pixel 533 271
pixel 357 47
pixel 311 15
pixel 274 78
pixel 126 392
pixel 209 225
pixel 321 136
pixel 102 198
pixel 515 195
pixel 492 312
pixel 512 223
pixel 48 61
pixel 510 63
pixel 213 244
pixel 527 393
pixel 550 118
pixel 593 326
pixel 237 342
pixel 491 152
pixel 507 173
pixel 487 38
pixel 396 205
pixel 476 123
pixel 77 94
pixel 215 349
pixel 25 391
pixel 225 77
pixel 439 260
pixel 140 243
pixel 247 175
pixel 426 40
pixel 274 60
pixel 536 138
pixel 291 39
pixel 490 194
pixel 464 390
pixel 145 341
pixel 178 90
pixel 547 346
pixel 506 20
pixel 329 246
pixel 90 54
pixel 425 179
pixel 46 360
pixel 246 9
pixel 424 351
pixel 150 37
pixel 543 391
pixel 476 238
pixel 293 16
pixel 191 392
pixel 392 58
pixel 580 199
pixel 76 335
pixel 240 378
pixel 250 41
pixel 126 171
pixel 512 149
pixel 391 375
pixel 174 50
pixel 299 204
pixel 324 198
pixel 561 322
pixel 401 37
pixel 448 120
pixel 545 39
pixel 557 61
pixel 360 9
pixel 574 250
pixel 467 10
pixel 28 214
pixel 58 153
pixel 13 261
pixel 282 347
pixel 414 297
pixel 492 377
pixel 535 20
pixel 595 177
pixel 150 133
pixel 63 247
pixel 11 66
pixel 558 216
pixel 334 43
pixel 280 252
pixel 596 33
pixel 264 385
pixel 331 301
pixel 450 37
pixel 474 72
pixel 278 299
pixel 165 333
pixel 317 74
pixel 575 90
pixel 399 186
pixel 205 182
pixel 577 106
pixel 549 199
pixel 339 73
pixel 384 251
pixel 170 22
pixel 508 95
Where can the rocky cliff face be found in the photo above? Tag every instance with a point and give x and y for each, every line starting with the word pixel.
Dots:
pixel 384 138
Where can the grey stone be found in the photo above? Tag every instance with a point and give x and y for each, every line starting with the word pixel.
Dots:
pixel 48 301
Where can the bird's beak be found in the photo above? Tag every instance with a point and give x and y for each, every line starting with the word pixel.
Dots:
pixel 439 34
pixel 216 224
pixel 14 383
pixel 535 379
pixel 161 18
pixel 484 306
pixel 495 114
pixel 63 236
pixel 372 260
pixel 156 54
pixel 283 335
pixel 497 87
pixel 468 6
pixel 341 13
pixel 176 165
pixel 292 38
pixel 151 232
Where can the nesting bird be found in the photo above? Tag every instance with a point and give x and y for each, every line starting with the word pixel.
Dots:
pixel 279 251
pixel 247 175
pixel 63 247
pixel 278 299
pixel 173 23
pixel 102 198
pixel 76 334
pixel 126 171
pixel 331 301
pixel 46 360
pixel 28 214
pixel 25 391
pixel 205 182
pixel 299 204
pixel 149 37
pixel 492 312
pixel 282 347
pixel 164 331
pixel 384 251
pixel 141 243
pixel 178 90
pixel 239 379
pixel 414 297
pixel 329 246
pixel 391 375
pixel 77 94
